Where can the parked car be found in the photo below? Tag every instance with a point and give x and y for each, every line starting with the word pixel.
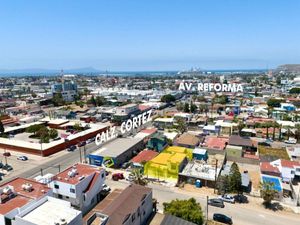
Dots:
pixel 227 198
pixel 118 176
pixel 291 141
pixel 264 143
pixel 125 165
pixel 72 148
pixel 6 154
pixel 1 165
pixel 222 218
pixel 106 188
pixel 216 202
pixel 22 158
pixel 241 199
pixel 7 167
pixel 90 140
pixel 81 144
pixel 130 178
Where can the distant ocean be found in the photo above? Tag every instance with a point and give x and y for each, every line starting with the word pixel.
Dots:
pixel 128 73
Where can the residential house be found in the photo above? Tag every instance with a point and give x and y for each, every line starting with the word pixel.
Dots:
pixel 187 140
pixel 131 206
pixel 18 195
pixel 79 184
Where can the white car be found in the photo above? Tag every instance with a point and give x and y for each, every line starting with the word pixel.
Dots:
pixel 106 188
pixel 291 141
pixel 227 198
pixel 130 178
pixel 22 158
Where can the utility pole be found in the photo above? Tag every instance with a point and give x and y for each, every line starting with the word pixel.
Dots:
pixel 216 169
pixel 80 156
pixel 206 210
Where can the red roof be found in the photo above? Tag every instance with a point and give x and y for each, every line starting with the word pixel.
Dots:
pixel 218 143
pixel 144 156
pixel 82 170
pixel 267 167
pixel 289 164
pixel 144 107
pixel 149 130
pixel 21 197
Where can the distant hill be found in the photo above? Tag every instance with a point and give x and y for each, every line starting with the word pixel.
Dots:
pixel 40 71
pixel 289 68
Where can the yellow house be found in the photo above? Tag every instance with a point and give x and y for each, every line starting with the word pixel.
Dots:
pixel 168 164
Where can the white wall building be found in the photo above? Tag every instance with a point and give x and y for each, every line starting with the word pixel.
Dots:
pixel 17 196
pixel 49 211
pixel 80 184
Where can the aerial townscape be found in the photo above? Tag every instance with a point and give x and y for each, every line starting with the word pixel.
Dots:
pixel 194 130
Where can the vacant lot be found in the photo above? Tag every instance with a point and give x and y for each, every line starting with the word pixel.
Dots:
pixel 280 153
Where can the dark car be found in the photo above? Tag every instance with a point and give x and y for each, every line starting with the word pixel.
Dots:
pixel 7 167
pixel 72 148
pixel 216 202
pixel 1 165
pixel 81 144
pixel 222 218
pixel 241 199
pixel 6 154
pixel 264 144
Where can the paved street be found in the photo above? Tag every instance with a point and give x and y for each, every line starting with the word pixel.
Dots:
pixel 247 214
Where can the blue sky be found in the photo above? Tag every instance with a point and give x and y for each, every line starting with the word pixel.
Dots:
pixel 120 35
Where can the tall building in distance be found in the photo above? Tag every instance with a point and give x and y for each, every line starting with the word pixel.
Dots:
pixel 67 87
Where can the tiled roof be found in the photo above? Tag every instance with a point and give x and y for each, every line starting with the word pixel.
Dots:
pixel 144 156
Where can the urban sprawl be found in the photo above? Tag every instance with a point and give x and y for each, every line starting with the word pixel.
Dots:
pixel 186 148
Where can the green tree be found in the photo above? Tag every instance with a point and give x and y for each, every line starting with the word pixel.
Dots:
pixel 268 192
pixel 273 102
pixel 168 98
pixel 34 128
pixel 235 179
pixel 193 108
pixel 58 99
pixel 295 90
pixel 92 101
pixel 223 184
pixel 181 125
pixel 53 133
pixel 138 177
pixel 77 127
pixel 43 134
pixel 100 101
pixel 189 210
pixel 186 107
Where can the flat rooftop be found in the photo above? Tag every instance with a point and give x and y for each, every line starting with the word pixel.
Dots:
pixel 73 174
pixel 51 211
pixel 19 196
pixel 117 146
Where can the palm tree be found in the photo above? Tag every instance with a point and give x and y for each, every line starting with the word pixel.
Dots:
pixel 275 126
pixel 138 177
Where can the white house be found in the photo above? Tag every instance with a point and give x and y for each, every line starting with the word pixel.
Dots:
pixel 288 169
pixel 80 184
pixel 17 196
pixel 49 211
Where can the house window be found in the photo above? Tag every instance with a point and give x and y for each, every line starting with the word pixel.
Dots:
pixel 72 190
pixel 60 196
pixel 56 186
pixel 292 172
